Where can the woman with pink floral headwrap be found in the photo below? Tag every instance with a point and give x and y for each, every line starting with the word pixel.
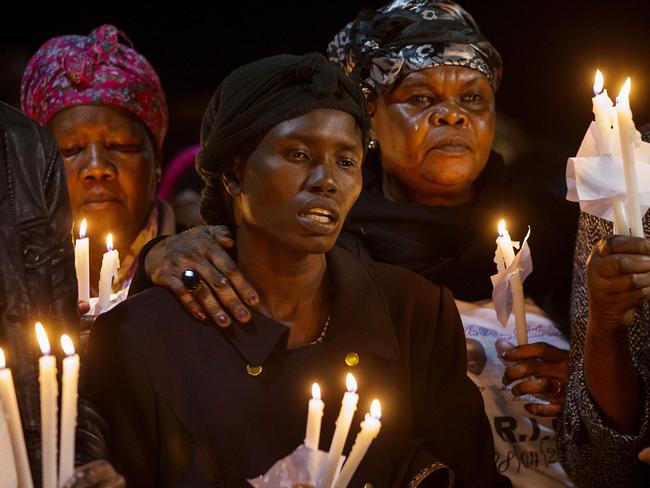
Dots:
pixel 105 106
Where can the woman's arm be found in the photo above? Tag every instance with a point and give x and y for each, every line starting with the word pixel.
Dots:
pixel 455 424
pixel 592 448
pixel 115 382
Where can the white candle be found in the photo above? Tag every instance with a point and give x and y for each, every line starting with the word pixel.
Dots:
pixel 12 414
pixel 81 263
pixel 627 133
pixel 348 407
pixel 504 247
pixel 110 265
pixel 602 108
pixel 68 411
pixel 49 390
pixel 314 418
pixel 369 430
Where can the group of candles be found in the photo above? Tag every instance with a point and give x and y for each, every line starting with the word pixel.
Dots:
pixel 110 265
pixel 329 475
pixel 614 124
pixel 49 391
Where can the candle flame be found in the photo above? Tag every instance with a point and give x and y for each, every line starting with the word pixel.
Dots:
pixel 315 391
pixel 351 383
pixel 375 409
pixel 109 242
pixel 625 91
pixel 67 345
pixel 599 82
pixel 82 229
pixel 41 336
pixel 502 228
pixel 3 363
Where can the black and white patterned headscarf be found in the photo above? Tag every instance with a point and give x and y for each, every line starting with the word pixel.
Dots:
pixel 380 46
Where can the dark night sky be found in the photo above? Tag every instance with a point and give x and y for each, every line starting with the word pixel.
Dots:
pixel 550 51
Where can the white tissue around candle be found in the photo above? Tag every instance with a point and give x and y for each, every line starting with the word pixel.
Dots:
pixel 12 414
pixel 369 430
pixel 81 262
pixel 49 390
pixel 505 249
pixel 602 108
pixel 68 411
pixel 626 133
pixel 110 265
pixel 314 418
pixel 348 407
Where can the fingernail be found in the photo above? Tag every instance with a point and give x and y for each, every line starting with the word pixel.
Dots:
pixel 222 319
pixel 199 315
pixel 242 313
pixel 253 299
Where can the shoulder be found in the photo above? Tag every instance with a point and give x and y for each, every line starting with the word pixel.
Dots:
pixel 138 316
pixel 405 284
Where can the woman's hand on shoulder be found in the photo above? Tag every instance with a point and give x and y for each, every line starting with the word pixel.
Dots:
pixel 223 289
pixel 544 370
pixel 96 474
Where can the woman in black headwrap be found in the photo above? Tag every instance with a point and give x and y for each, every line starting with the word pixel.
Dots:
pixel 188 404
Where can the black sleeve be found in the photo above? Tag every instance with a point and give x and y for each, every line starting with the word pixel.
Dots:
pixel 115 382
pixel 63 275
pixel 454 425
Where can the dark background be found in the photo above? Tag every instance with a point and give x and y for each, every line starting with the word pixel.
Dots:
pixel 550 51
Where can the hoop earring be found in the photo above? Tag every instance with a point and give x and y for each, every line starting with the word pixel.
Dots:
pixel 373 144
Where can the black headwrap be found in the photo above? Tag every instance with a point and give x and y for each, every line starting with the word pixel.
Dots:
pixel 255 98
pixel 380 46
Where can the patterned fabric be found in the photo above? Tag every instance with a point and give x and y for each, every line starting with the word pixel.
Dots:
pixel 593 453
pixel 380 46
pixel 97 69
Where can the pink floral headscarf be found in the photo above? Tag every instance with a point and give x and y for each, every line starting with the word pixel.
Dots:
pixel 97 69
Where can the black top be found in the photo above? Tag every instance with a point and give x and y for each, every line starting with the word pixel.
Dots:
pixel 184 411
pixel 454 246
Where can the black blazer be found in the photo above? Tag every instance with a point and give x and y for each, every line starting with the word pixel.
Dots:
pixel 183 409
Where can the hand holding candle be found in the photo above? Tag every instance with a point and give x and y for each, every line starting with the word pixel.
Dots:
pixel 68 411
pixel 81 261
pixel 110 265
pixel 49 390
pixel 10 407
pixel 348 407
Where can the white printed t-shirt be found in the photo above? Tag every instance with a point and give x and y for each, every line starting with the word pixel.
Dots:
pixel 524 444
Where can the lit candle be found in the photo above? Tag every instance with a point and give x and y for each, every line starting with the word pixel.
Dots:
pixel 81 263
pixel 68 410
pixel 49 392
pixel 369 430
pixel 348 407
pixel 602 107
pixel 314 417
pixel 110 265
pixel 12 414
pixel 506 252
pixel 627 133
